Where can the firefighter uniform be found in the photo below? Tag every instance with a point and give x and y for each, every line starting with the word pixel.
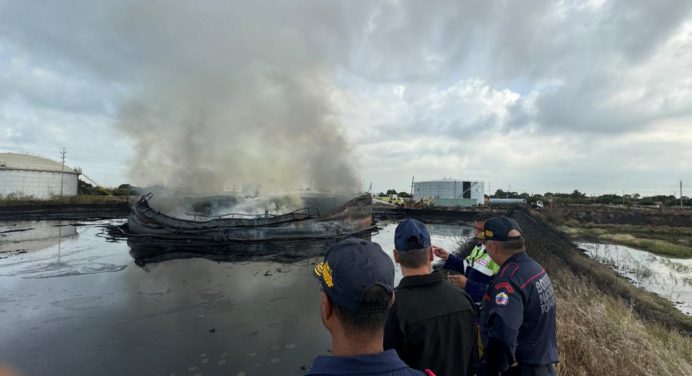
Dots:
pixel 518 320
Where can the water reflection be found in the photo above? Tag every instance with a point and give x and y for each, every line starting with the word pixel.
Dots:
pixel 22 236
pixel 665 276
pixel 146 251
pixel 231 311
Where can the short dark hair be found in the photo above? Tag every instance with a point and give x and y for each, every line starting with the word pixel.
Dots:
pixel 512 246
pixel 372 313
pixel 414 258
pixel 482 217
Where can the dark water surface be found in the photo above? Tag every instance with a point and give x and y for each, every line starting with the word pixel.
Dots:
pixel 74 302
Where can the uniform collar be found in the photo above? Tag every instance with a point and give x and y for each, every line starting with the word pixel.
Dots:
pixel 386 361
pixel 419 280
pixel 521 256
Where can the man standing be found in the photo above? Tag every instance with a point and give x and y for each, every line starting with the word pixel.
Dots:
pixel 477 269
pixel 356 283
pixel 432 323
pixel 518 320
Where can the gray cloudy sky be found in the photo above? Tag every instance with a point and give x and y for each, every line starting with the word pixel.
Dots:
pixel 541 95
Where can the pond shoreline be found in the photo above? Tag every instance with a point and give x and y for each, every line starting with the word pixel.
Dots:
pixel 667 277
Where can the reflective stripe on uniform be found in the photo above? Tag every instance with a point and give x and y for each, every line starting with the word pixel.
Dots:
pixel 481 261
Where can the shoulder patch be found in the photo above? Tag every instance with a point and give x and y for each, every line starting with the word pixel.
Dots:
pixel 504 285
pixel 501 299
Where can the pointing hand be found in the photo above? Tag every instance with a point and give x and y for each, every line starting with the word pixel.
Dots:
pixel 440 252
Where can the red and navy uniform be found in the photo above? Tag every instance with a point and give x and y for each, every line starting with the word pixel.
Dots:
pixel 518 320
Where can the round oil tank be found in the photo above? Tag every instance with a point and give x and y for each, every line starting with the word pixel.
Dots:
pixel 29 176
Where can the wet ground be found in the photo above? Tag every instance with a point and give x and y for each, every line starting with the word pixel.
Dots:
pixel 666 276
pixel 74 301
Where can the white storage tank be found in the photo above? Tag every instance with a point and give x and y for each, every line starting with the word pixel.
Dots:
pixel 463 191
pixel 28 176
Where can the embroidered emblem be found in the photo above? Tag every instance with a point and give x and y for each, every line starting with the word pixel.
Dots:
pixel 323 270
pixel 501 299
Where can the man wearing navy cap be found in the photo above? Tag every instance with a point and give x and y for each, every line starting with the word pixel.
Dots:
pixel 432 323
pixel 518 320
pixel 357 283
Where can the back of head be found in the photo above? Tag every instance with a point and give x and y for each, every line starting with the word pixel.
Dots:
pixel 358 278
pixel 412 242
pixel 506 233
pixel 482 217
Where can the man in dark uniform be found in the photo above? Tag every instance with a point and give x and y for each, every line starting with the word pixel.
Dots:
pixel 357 283
pixel 432 323
pixel 518 320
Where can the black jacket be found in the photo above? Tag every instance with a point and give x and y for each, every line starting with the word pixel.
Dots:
pixel 432 326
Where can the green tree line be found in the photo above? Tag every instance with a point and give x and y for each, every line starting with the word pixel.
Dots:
pixel 579 198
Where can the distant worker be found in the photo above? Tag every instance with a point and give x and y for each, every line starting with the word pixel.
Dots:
pixel 432 323
pixel 518 320
pixel 357 283
pixel 477 269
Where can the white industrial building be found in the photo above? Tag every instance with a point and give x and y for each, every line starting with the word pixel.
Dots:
pixel 23 175
pixel 450 192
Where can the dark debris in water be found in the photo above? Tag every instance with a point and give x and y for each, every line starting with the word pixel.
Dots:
pixel 10 253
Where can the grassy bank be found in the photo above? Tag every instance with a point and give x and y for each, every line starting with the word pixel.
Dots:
pixel 662 240
pixel 601 335
pixel 606 326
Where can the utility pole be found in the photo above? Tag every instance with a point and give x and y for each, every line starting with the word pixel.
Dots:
pixel 681 194
pixel 62 169
pixel 413 180
pixel 509 189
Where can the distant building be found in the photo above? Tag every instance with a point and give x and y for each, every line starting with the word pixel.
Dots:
pixel 450 192
pixel 508 201
pixel 23 175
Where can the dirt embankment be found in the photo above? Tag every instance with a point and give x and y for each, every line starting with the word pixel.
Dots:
pixel 615 215
pixel 427 215
pixel 666 231
pixel 48 211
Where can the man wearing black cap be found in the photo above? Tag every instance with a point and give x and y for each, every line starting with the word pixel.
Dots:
pixel 432 323
pixel 357 283
pixel 518 320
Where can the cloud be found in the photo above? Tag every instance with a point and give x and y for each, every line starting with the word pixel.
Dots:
pixel 213 93
pixel 221 93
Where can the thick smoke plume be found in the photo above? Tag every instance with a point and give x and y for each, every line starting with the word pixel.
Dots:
pixel 236 97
